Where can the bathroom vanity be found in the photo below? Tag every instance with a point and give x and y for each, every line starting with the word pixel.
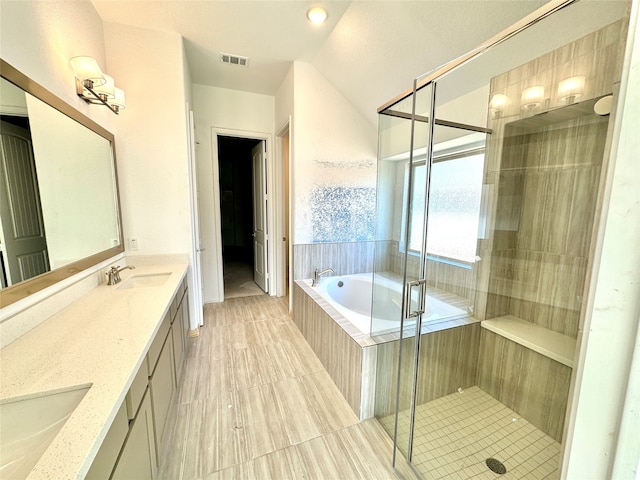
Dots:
pixel 117 354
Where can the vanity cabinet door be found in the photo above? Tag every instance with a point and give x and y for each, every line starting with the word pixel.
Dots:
pixel 138 457
pixel 136 391
pixel 162 385
pixel 106 457
pixel 157 344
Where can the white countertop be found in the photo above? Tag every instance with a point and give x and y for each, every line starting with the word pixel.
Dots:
pixel 101 340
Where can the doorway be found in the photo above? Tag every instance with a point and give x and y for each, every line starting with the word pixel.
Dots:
pixel 242 180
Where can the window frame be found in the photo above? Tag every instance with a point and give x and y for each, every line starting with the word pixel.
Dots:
pixel 462 151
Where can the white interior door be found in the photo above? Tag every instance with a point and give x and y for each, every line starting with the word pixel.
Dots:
pixel 260 266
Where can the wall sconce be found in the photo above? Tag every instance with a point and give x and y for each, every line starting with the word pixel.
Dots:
pixel 570 89
pixel 95 87
pixel 532 97
pixel 498 104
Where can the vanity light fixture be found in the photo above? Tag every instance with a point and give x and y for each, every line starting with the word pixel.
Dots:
pixel 317 15
pixel 498 104
pixel 532 97
pixel 570 89
pixel 95 87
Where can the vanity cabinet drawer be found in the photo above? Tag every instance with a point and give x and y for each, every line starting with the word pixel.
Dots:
pixel 106 457
pixel 158 342
pixel 181 289
pixel 173 309
pixel 136 391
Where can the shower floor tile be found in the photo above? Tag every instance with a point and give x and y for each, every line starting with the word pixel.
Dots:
pixel 454 435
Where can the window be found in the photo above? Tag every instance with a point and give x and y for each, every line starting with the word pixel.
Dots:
pixel 454 205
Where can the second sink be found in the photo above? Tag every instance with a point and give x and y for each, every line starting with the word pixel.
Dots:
pixel 147 280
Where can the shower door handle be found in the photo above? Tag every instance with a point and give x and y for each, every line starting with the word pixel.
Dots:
pixel 421 298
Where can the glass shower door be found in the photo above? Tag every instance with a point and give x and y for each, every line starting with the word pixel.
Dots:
pixel 398 290
pixel 495 203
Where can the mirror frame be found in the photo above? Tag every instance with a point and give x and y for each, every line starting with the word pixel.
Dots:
pixel 23 289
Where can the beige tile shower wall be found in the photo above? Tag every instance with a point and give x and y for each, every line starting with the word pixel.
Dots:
pixel 531 384
pixel 448 360
pixel 345 258
pixel 542 181
pixel 441 275
pixel 597 56
pixel 539 274
pixel 450 278
pixel 343 358
pixel 383 258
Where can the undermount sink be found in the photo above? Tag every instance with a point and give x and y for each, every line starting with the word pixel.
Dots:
pixel 148 280
pixel 28 425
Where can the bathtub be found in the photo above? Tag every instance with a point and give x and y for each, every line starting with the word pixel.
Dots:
pixel 351 296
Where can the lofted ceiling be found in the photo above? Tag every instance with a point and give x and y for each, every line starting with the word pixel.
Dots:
pixel 369 50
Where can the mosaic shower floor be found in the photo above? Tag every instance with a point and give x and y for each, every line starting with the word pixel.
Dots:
pixel 457 433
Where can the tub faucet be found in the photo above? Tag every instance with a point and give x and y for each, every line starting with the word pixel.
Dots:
pixel 317 274
pixel 114 274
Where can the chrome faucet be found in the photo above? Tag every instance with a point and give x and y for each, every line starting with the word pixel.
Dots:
pixel 317 274
pixel 114 274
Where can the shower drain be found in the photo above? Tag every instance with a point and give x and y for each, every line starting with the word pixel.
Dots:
pixel 496 466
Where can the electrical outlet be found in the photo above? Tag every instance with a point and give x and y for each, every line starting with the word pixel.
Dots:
pixel 133 244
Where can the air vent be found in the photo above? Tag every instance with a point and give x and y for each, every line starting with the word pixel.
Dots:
pixel 231 59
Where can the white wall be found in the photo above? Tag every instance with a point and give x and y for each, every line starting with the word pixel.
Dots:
pixel 230 110
pixel 151 138
pixel 12 99
pixel 39 38
pixel 333 144
pixel 604 427
pixel 285 99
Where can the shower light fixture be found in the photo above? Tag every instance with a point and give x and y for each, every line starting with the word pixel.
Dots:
pixel 498 104
pixel 95 87
pixel 532 97
pixel 317 15
pixel 571 89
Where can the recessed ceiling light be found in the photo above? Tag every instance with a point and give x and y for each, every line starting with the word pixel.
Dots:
pixel 317 15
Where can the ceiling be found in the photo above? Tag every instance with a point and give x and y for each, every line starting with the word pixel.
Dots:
pixel 369 50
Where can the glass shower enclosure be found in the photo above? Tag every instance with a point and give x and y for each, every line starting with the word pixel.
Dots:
pixel 489 175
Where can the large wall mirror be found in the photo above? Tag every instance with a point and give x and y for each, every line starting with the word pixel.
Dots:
pixel 59 203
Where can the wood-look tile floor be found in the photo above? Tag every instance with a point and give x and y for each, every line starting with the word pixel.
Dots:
pixel 256 403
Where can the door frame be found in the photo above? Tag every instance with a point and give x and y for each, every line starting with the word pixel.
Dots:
pixel 284 249
pixel 270 213
pixel 196 297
